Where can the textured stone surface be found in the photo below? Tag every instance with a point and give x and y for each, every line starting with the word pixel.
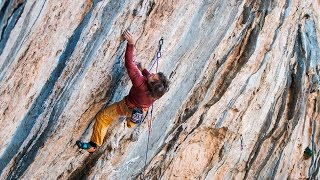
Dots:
pixel 243 102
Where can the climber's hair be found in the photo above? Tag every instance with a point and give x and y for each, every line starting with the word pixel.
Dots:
pixel 159 88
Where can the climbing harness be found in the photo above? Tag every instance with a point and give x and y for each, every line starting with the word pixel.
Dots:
pixel 149 121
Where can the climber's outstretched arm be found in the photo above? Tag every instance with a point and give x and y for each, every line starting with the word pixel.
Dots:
pixel 133 71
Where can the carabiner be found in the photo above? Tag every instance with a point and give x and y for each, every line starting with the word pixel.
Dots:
pixel 159 54
pixel 161 42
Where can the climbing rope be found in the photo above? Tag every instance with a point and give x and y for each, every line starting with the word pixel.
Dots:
pixel 149 121
pixel 149 132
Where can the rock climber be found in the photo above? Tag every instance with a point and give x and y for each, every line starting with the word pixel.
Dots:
pixel 146 89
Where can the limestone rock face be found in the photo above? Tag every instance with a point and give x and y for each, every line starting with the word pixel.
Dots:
pixel 243 103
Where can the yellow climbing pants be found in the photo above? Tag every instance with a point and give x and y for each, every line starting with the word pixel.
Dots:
pixel 105 117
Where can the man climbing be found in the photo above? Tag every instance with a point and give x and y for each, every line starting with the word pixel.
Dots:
pixel 146 88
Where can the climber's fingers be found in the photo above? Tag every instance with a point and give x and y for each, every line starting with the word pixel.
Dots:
pixel 128 36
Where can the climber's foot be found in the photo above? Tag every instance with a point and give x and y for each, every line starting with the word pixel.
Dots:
pixel 86 146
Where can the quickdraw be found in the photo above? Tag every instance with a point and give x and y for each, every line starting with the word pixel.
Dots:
pixel 157 56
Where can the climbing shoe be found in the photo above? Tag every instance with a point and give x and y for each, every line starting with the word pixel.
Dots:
pixel 86 146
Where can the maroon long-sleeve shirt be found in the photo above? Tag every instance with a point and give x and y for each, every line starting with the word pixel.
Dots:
pixel 139 93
